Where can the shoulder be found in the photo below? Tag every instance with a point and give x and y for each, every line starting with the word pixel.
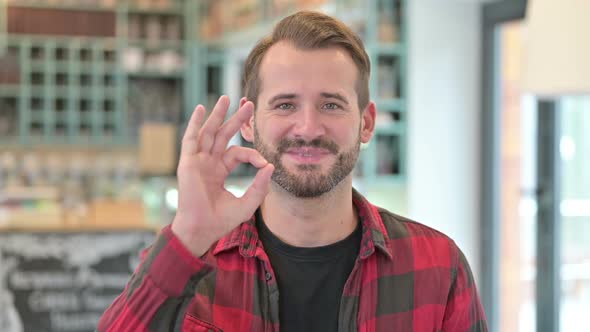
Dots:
pixel 399 227
pixel 422 241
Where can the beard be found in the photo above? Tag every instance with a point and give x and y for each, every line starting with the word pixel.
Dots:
pixel 309 182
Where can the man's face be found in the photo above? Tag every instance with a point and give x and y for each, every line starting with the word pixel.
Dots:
pixel 307 122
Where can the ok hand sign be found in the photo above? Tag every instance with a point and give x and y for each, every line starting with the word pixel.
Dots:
pixel 206 210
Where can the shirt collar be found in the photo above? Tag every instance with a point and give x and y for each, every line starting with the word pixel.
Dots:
pixel 245 236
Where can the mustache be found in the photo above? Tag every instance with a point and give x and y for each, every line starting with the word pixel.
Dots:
pixel 286 144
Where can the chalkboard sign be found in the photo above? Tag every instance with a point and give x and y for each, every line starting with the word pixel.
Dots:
pixel 64 281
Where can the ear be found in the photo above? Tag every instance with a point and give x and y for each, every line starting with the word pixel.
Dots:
pixel 368 122
pixel 247 128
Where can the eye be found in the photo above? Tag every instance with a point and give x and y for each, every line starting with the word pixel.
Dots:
pixel 285 106
pixel 331 106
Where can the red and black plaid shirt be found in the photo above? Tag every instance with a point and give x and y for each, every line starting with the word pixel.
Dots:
pixel 408 277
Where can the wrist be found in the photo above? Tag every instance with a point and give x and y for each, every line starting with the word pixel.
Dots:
pixel 197 245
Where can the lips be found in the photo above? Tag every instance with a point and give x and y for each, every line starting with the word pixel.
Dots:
pixel 308 151
pixel 307 154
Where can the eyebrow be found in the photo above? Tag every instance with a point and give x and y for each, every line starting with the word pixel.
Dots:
pixel 335 96
pixel 323 94
pixel 282 96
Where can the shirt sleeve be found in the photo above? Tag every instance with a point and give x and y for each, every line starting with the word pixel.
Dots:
pixel 157 290
pixel 464 311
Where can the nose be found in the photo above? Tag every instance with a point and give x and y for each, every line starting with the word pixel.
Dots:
pixel 309 124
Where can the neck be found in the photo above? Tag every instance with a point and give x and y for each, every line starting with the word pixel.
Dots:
pixel 310 222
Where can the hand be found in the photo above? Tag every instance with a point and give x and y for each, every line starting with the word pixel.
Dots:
pixel 206 210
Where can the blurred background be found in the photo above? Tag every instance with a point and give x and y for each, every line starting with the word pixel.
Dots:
pixel 95 95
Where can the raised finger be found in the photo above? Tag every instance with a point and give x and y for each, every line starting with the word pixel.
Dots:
pixel 231 127
pixel 211 126
pixel 255 194
pixel 191 134
pixel 236 155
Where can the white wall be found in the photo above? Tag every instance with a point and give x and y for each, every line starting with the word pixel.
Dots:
pixel 444 103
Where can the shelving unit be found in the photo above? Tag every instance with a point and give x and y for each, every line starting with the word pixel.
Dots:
pixel 91 72
pixel 154 60
pixel 384 160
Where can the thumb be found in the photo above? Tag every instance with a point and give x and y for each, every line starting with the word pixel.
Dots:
pixel 257 190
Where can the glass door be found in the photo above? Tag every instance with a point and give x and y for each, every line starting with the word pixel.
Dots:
pixel 575 212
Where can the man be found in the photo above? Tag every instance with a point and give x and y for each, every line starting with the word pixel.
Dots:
pixel 301 250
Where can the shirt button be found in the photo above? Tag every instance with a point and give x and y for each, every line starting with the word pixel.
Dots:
pixel 268 276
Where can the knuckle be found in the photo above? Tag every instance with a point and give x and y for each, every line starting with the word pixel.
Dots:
pixel 224 135
pixel 231 149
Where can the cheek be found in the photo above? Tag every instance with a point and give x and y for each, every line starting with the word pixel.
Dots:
pixel 270 131
pixel 345 133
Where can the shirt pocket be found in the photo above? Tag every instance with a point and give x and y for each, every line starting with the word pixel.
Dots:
pixel 193 324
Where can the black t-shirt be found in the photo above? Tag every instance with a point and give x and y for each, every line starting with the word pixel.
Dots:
pixel 310 280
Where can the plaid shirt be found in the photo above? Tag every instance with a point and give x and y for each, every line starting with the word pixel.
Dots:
pixel 408 277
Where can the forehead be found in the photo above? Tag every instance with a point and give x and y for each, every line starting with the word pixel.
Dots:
pixel 285 66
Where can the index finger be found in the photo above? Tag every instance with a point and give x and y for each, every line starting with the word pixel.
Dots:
pixel 191 134
pixel 211 126
pixel 231 127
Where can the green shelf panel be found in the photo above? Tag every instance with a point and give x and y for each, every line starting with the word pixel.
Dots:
pixel 177 45
pixel 85 93
pixel 9 90
pixel 391 130
pixel 368 158
pixel 386 181
pixel 390 49
pixel 403 154
pixel 48 91
pixel 66 67
pixel 24 92
pixel 110 118
pixel 3 27
pixel 37 116
pixel 61 117
pixel 97 95
pixel 391 105
pixel 155 74
pixel 72 141
pixel 85 117
pixel 74 42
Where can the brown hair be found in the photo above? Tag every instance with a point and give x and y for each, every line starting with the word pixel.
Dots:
pixel 310 30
